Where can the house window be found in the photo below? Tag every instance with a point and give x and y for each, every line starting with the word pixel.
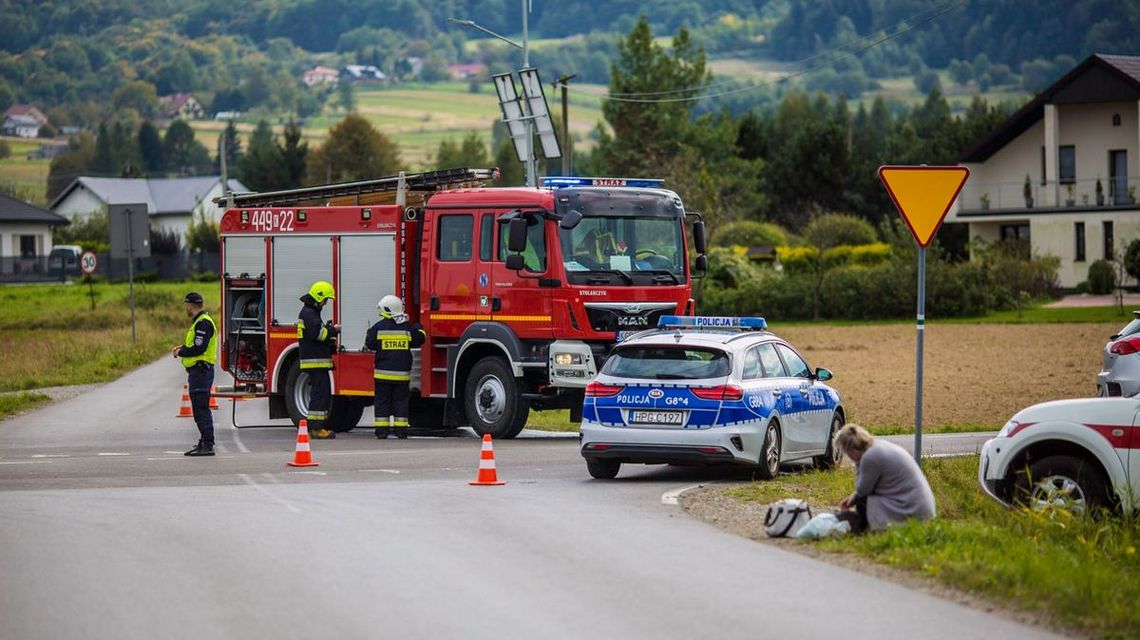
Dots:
pixel 1079 229
pixel 455 238
pixel 27 246
pixel 1043 174
pixel 1067 155
pixel 1116 119
pixel 1109 241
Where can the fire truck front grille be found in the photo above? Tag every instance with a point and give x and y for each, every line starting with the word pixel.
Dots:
pixel 627 316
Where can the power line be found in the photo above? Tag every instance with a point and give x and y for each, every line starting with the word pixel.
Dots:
pixel 871 41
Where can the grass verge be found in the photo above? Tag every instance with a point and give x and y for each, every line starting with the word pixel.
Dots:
pixel 1077 571
pixel 53 337
pixel 11 404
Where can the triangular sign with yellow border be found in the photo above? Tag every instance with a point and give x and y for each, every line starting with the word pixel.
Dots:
pixel 923 195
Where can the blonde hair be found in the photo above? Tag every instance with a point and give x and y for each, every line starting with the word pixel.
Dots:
pixel 852 437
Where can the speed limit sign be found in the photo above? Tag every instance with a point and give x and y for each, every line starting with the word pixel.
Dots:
pixel 88 262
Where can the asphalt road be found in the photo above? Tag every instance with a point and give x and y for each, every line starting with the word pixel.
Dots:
pixel 107 531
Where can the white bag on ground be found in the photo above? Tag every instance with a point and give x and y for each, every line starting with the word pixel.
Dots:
pixel 784 518
pixel 822 526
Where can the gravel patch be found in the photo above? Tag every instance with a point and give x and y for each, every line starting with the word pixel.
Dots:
pixel 746 519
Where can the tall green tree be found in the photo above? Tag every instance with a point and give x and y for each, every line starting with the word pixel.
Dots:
pixel 184 155
pixel 294 155
pixel 232 146
pixel 469 152
pixel 262 167
pixel 78 161
pixel 649 114
pixel 354 150
pixel 150 149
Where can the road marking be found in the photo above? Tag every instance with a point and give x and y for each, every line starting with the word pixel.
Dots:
pixel 173 453
pixel 237 441
pixel 395 471
pixel 114 454
pixel 308 473
pixel 353 453
pixel 672 497
pixel 262 490
pixel 26 462
pixel 51 455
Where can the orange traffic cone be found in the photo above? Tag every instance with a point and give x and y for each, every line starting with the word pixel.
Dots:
pixel 213 400
pixel 185 411
pixel 487 475
pixel 303 457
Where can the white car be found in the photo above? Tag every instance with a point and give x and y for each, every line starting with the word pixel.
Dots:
pixel 709 390
pixel 1121 373
pixel 1075 453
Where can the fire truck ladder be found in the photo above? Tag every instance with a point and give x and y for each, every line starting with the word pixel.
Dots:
pixel 400 184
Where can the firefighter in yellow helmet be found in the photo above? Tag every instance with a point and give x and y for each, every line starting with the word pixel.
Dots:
pixel 316 342
pixel 392 338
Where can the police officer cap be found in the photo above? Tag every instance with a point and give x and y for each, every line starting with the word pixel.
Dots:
pixel 193 298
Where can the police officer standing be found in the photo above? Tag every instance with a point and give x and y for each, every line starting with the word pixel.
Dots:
pixel 315 344
pixel 198 352
pixel 392 338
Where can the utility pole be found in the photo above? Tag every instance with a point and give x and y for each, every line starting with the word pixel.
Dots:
pixel 566 155
pixel 531 165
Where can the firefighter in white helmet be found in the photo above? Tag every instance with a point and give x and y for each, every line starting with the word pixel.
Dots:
pixel 393 338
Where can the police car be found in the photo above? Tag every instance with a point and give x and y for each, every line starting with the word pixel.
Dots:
pixel 708 390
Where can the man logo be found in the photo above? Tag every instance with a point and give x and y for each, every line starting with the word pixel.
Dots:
pixel 632 308
pixel 656 393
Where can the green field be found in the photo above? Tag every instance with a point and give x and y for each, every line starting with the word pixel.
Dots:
pixel 1051 562
pixel 27 177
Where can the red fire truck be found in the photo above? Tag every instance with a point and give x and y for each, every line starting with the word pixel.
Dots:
pixel 522 291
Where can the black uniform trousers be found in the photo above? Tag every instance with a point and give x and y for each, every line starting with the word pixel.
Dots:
pixel 391 400
pixel 320 397
pixel 200 379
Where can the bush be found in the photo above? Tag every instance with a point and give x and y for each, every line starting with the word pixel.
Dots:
pixel 165 242
pixel 205 276
pixel 798 259
pixel 750 233
pixel 202 235
pixel 1102 277
pixel 1132 259
pixel 835 229
pixel 729 270
pixel 865 254
pixel 5 149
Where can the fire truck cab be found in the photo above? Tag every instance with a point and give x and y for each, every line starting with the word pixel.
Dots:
pixel 522 291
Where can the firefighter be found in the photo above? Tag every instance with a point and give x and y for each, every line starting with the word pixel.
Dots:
pixel 198 352
pixel 392 338
pixel 315 344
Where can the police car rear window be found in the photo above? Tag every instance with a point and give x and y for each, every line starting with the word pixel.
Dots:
pixel 667 363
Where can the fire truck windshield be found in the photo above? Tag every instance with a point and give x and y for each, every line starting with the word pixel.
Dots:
pixel 624 250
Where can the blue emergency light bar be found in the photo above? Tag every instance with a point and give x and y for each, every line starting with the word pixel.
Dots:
pixel 559 182
pixel 712 322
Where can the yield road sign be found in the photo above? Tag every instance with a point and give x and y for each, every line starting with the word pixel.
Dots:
pixel 923 195
pixel 88 262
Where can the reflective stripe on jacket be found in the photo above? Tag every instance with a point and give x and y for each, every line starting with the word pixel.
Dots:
pixel 314 340
pixel 393 343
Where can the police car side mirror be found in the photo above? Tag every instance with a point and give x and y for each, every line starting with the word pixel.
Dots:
pixel 823 375
pixel 515 262
pixel 570 220
pixel 516 235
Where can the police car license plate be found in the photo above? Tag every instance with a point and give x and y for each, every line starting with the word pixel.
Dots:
pixel 666 418
pixel 622 335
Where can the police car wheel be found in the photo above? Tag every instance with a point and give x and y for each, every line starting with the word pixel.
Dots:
pixel 603 469
pixel 1062 481
pixel 769 463
pixel 493 401
pixel 830 457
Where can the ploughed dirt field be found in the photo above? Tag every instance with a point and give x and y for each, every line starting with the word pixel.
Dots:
pixel 975 374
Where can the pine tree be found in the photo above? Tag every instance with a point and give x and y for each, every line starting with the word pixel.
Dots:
pixel 150 149
pixel 294 155
pixel 262 167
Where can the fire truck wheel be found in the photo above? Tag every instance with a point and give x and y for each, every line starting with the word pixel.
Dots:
pixel 344 414
pixel 296 392
pixel 493 399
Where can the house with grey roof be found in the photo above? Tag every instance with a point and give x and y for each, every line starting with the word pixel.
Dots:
pixel 172 203
pixel 1061 174
pixel 25 234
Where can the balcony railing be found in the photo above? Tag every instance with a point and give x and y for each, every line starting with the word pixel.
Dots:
pixel 1078 195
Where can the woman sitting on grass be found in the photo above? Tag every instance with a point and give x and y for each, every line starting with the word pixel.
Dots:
pixel 889 486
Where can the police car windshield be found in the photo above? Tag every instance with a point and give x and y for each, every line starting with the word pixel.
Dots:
pixel 624 250
pixel 667 363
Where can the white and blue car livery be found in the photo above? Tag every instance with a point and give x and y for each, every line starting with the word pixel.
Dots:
pixel 708 390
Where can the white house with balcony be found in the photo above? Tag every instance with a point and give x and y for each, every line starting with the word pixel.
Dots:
pixel 1062 172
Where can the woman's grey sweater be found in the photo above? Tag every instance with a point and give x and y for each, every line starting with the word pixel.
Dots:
pixel 895 489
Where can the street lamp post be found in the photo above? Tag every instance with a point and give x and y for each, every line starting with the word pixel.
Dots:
pixel 531 169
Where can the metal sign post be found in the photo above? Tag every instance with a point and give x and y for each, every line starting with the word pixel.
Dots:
pixel 87 263
pixel 923 195
pixel 130 239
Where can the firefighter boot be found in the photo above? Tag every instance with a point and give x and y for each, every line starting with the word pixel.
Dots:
pixel 382 433
pixel 401 432
pixel 323 434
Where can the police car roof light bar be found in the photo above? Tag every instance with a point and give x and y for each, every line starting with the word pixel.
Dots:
pixel 556 182
pixel 712 322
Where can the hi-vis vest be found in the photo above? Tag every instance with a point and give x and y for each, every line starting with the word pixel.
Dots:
pixel 210 355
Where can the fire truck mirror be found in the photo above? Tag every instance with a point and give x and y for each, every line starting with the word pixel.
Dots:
pixel 516 235
pixel 570 220
pixel 702 264
pixel 515 262
pixel 699 237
